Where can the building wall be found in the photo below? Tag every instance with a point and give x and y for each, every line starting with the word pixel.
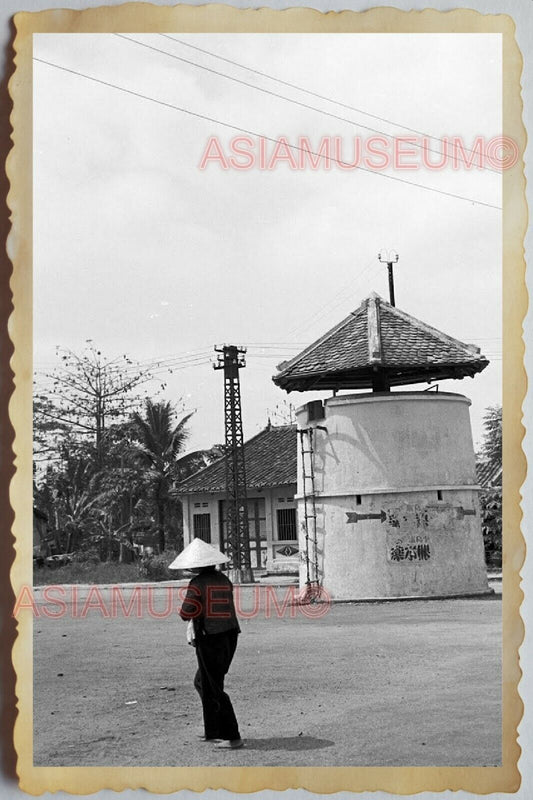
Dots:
pixel 396 497
pixel 283 554
pixel 275 499
pixel 421 547
pixel 397 441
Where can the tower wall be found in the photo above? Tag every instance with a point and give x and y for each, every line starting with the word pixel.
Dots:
pixel 396 497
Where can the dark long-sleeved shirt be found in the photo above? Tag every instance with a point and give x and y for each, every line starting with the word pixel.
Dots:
pixel 209 603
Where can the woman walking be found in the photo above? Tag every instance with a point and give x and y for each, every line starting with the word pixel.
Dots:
pixel 213 630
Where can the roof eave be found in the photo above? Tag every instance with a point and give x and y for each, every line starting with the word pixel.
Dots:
pixel 222 489
pixel 362 378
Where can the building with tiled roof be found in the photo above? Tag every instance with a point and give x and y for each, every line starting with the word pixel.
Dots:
pixel 378 346
pixel 270 459
pixel 489 475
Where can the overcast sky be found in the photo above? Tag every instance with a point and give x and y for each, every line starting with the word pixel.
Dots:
pixel 141 251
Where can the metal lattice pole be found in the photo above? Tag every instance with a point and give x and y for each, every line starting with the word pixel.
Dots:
pixel 231 359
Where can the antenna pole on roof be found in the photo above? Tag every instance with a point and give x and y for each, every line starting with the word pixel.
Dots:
pixel 389 257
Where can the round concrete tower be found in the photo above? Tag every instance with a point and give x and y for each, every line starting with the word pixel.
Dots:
pixel 387 494
pixel 395 496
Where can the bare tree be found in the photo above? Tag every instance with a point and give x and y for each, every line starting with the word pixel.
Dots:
pixel 88 392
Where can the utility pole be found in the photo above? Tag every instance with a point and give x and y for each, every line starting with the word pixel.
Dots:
pixel 231 359
pixel 389 258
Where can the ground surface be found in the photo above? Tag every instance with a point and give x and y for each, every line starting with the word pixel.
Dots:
pixel 409 683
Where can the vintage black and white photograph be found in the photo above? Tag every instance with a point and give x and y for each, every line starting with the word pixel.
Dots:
pixel 267 401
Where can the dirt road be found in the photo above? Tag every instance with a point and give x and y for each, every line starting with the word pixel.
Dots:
pixel 411 683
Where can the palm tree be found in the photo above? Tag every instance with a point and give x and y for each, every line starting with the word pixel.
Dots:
pixel 159 444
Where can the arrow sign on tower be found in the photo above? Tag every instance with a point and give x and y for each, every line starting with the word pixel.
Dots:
pixel 353 516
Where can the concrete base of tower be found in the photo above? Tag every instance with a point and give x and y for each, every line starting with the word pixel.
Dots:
pixel 409 599
pixel 396 499
pixel 399 545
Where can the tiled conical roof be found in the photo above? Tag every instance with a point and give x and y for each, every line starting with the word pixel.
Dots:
pixel 378 346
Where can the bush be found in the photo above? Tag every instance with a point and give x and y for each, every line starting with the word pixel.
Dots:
pixel 110 572
pixel 155 568
pixel 89 556
pixel 491 525
pixel 84 569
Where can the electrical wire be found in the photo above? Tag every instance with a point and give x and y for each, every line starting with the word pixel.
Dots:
pixel 326 309
pixel 292 100
pixel 311 93
pixel 173 361
pixel 230 126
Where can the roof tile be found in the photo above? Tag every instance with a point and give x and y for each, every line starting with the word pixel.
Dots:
pixel 270 459
pixel 410 351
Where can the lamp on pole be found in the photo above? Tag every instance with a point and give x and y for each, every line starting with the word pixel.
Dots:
pixel 389 257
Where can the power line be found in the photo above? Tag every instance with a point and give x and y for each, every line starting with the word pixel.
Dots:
pixel 342 299
pixel 311 93
pixel 283 354
pixel 191 356
pixel 141 366
pixel 262 136
pixel 252 351
pixel 160 375
pixel 170 363
pixel 276 344
pixel 185 359
pixel 283 97
pixel 154 374
pixel 326 309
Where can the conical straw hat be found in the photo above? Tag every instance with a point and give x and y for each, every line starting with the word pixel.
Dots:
pixel 198 554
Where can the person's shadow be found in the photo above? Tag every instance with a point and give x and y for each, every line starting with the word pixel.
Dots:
pixel 288 743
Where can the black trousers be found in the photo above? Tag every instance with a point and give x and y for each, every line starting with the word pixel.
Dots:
pixel 215 653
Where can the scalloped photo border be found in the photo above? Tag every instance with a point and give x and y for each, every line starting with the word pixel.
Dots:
pixel 140 17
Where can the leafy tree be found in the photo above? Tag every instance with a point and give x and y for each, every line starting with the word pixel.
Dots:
pixel 123 485
pixel 492 438
pixel 491 496
pixel 105 468
pixel 160 441
pixel 69 494
pixel 81 480
pixel 491 515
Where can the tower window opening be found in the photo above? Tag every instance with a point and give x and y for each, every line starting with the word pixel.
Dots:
pixel 358 499
pixel 439 494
